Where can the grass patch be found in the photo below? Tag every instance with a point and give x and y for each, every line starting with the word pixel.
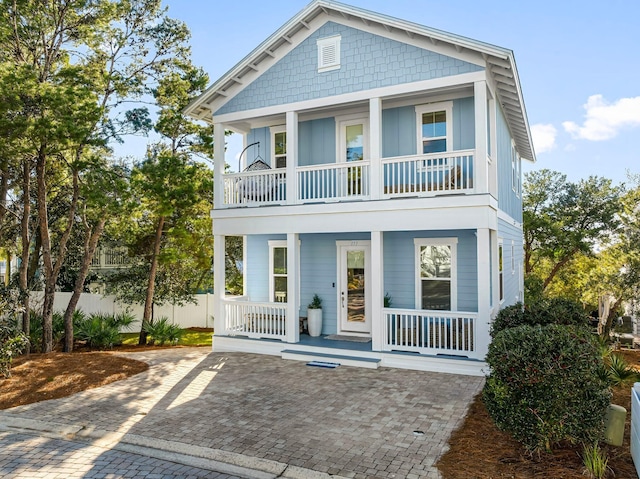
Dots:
pixel 190 337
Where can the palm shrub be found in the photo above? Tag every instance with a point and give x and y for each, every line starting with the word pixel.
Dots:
pixel 161 331
pixel 619 371
pixel 543 312
pixel 100 330
pixel 35 330
pixel 546 385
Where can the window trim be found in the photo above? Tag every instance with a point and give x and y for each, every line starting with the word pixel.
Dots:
pixel 274 130
pixel 342 122
pixel 273 244
pixel 327 42
pixel 501 270
pixel 447 107
pixel 453 279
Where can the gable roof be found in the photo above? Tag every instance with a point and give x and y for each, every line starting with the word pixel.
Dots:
pixel 499 62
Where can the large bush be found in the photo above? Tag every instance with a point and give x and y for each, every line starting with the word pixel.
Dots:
pixel 542 312
pixel 546 385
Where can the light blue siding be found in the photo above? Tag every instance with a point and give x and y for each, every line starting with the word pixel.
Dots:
pixel 464 135
pixel 317 142
pixel 367 61
pixel 512 270
pixel 263 135
pixel 508 201
pixel 257 280
pixel 399 267
pixel 399 132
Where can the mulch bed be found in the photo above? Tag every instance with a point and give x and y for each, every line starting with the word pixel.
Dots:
pixel 478 450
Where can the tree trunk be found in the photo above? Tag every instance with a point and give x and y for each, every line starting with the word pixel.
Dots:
pixel 26 240
pixel 51 271
pixel 90 245
pixel 557 267
pixel 151 285
pixel 4 190
pixel 608 325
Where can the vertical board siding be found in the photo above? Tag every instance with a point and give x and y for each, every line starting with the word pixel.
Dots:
pixel 464 134
pixel 508 201
pixel 399 132
pixel 367 61
pixel 263 135
pixel 508 233
pixel 317 142
pixel 399 267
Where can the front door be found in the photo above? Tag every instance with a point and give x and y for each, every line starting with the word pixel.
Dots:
pixel 354 258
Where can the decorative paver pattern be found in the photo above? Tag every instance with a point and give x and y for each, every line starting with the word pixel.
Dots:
pixel 351 422
pixel 29 457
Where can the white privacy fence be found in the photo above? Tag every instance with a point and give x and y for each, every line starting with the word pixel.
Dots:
pixel 256 320
pixel 190 315
pixel 430 332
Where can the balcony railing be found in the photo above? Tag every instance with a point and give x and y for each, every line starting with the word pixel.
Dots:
pixel 256 320
pixel 337 181
pixel 417 175
pixel 430 332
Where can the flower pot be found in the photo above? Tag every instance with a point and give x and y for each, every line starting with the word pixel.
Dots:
pixel 314 321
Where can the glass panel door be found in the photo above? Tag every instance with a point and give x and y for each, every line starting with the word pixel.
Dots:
pixel 355 286
pixel 353 281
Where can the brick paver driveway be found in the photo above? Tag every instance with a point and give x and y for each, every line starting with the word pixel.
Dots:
pixel 261 411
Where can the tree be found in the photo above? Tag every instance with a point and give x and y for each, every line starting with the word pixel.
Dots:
pixel 563 219
pixel 68 64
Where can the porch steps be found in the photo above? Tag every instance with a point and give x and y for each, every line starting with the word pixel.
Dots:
pixel 355 361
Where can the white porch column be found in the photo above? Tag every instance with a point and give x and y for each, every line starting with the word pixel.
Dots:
pixel 377 290
pixel 480 159
pixel 293 279
pixel 219 283
pixel 218 165
pixel 375 147
pixel 292 157
pixel 484 291
pixel 495 273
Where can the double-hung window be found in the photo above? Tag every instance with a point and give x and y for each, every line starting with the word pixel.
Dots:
pixel 501 268
pixel 434 127
pixel 436 276
pixel 278 276
pixel 279 147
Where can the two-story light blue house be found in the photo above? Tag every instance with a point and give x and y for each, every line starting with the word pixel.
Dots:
pixel 393 191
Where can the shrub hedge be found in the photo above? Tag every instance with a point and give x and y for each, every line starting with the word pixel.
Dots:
pixel 546 385
pixel 543 312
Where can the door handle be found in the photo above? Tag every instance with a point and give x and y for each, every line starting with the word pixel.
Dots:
pixel 342 299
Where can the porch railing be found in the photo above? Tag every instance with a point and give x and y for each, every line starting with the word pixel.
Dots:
pixel 427 175
pixel 256 320
pixel 255 188
pixel 334 181
pixel 430 332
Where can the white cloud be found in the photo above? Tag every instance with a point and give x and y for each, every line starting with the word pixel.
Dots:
pixel 544 137
pixel 604 120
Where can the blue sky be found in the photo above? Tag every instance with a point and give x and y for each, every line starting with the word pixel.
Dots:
pixel 579 64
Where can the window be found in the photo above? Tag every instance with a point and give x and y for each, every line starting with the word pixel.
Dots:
pixel 279 147
pixel 328 53
pixel 352 138
pixel 515 170
pixel 434 127
pixel 436 278
pixel 278 271
pixel 500 269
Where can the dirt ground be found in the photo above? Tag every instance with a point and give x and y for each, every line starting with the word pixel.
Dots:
pixel 478 450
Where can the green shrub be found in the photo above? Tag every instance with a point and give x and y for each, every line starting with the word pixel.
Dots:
pixel 35 330
pixel 161 331
pixel 546 385
pixel 100 330
pixel 543 312
pixel 619 371
pixel 12 343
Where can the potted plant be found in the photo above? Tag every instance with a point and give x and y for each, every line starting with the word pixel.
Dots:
pixel 314 316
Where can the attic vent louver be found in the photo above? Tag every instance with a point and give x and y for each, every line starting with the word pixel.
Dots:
pixel 328 53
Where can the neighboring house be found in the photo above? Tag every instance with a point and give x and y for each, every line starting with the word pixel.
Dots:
pixel 394 153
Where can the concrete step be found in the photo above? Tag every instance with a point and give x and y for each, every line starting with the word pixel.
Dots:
pixel 355 361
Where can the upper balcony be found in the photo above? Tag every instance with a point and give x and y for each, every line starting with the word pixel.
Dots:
pixel 425 175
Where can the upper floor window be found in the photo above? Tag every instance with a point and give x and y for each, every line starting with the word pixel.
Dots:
pixel 515 170
pixel 434 127
pixel 279 147
pixel 328 53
